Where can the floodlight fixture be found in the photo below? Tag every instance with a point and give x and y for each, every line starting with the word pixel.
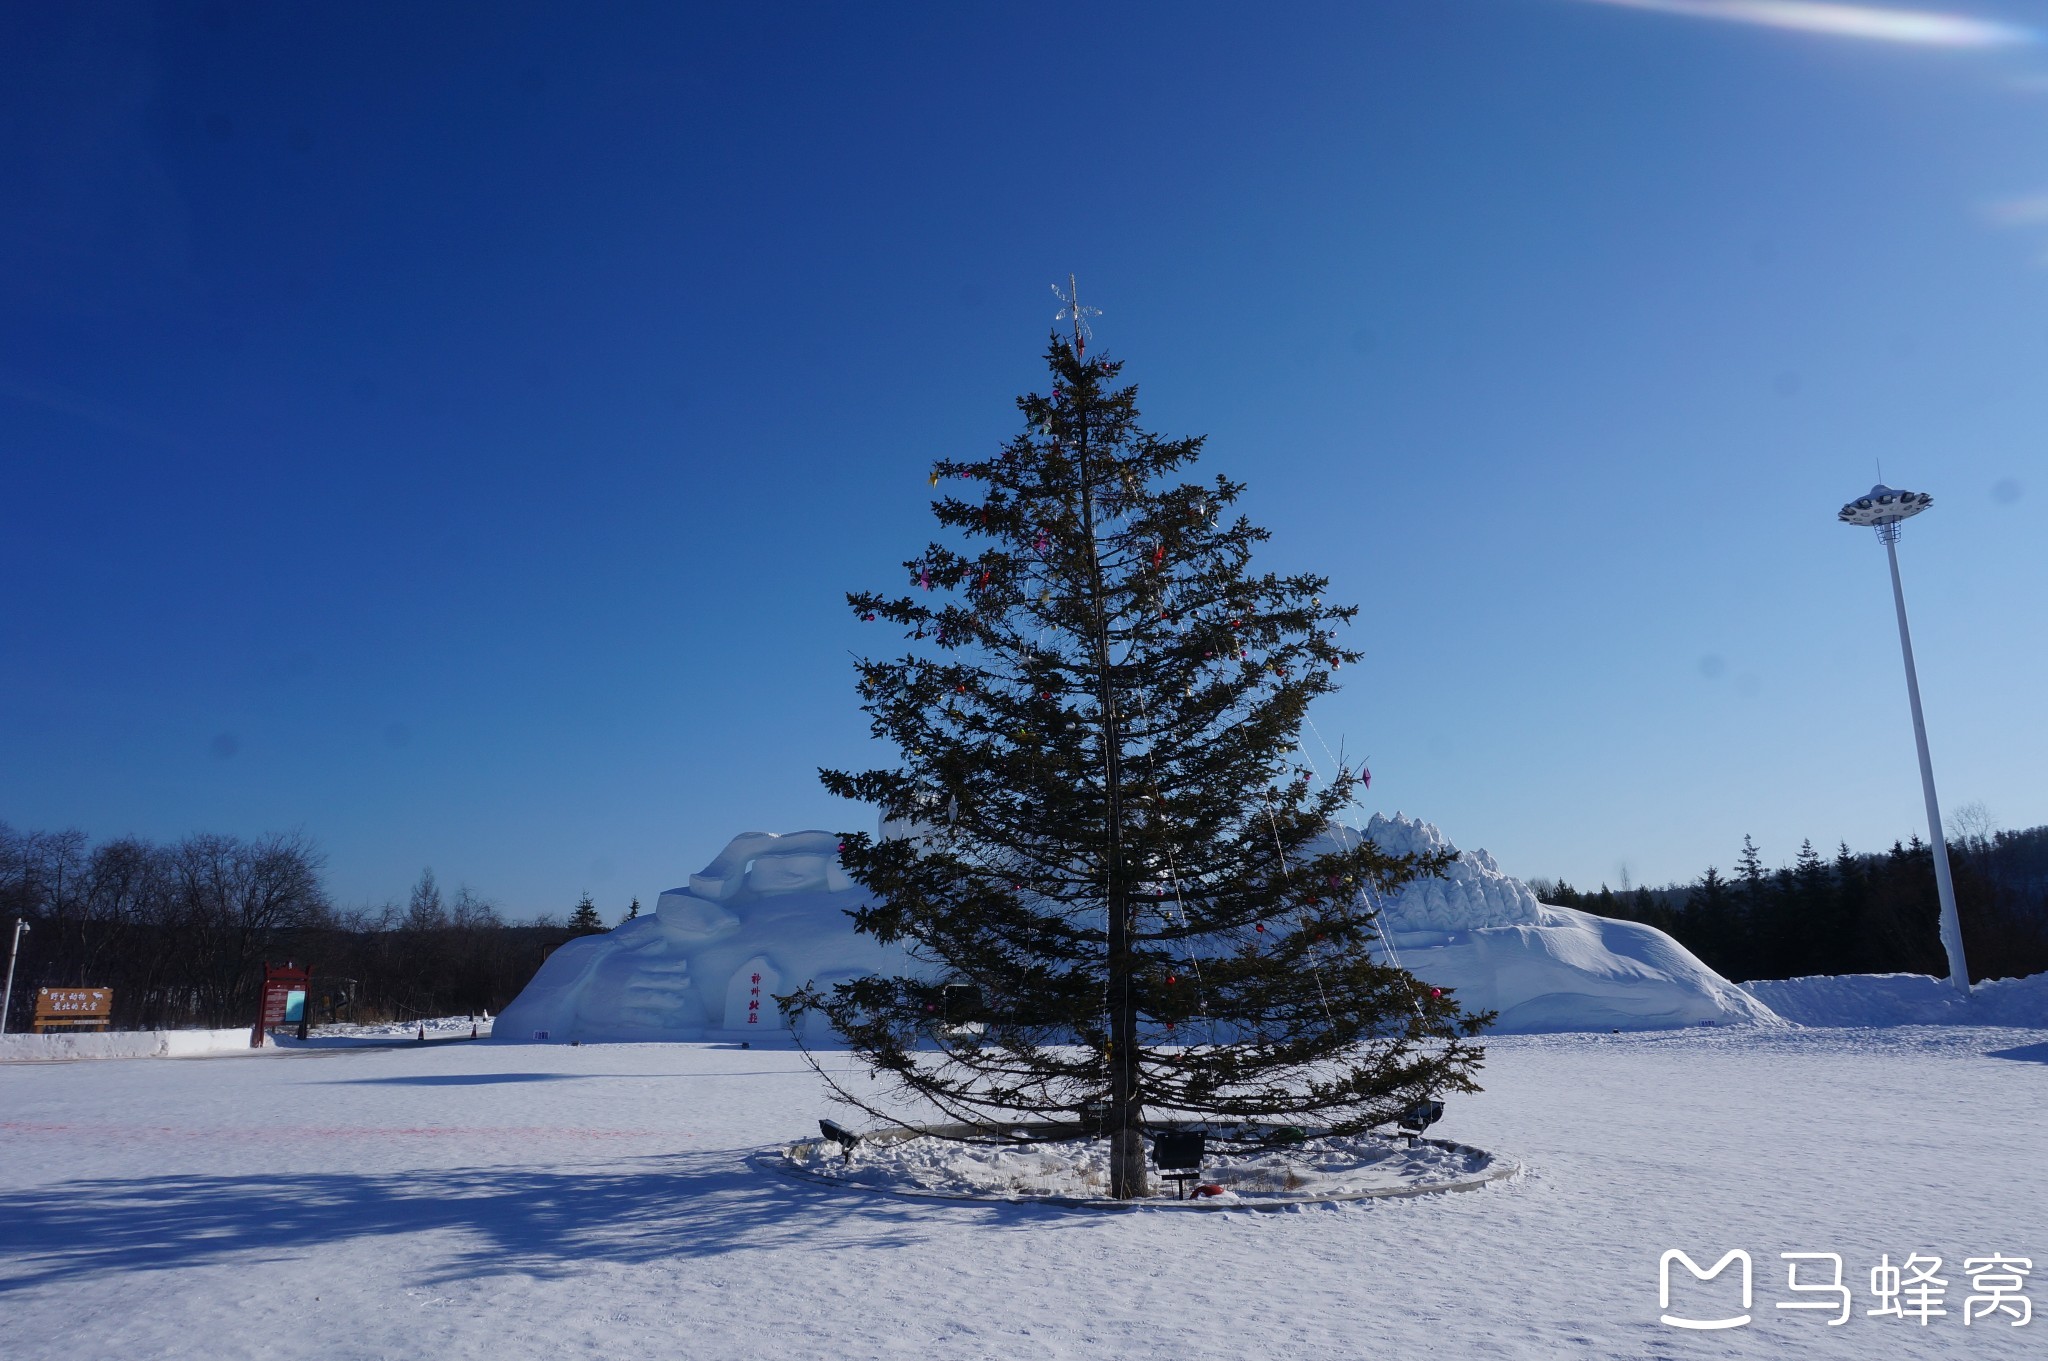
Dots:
pixel 1179 1153
pixel 1883 509
pixel 1419 1117
pixel 1179 1148
pixel 840 1135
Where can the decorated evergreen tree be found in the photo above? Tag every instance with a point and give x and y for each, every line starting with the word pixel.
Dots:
pixel 1132 899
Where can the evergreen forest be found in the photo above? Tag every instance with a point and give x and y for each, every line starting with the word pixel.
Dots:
pixel 1852 912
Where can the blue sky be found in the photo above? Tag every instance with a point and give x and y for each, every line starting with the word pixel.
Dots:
pixel 451 429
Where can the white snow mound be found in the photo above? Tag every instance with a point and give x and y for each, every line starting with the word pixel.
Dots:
pixel 771 913
pixel 1483 934
pixel 124 1044
pixel 1888 999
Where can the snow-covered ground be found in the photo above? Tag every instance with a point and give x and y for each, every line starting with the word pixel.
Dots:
pixel 121 1044
pixel 1882 999
pixel 176 1044
pixel 504 1201
pixel 1076 1171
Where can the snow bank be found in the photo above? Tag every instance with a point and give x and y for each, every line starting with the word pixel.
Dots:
pixel 1571 970
pixel 173 1044
pixel 1888 999
pixel 437 1028
pixel 1543 968
pixel 122 1044
pixel 1070 1171
pixel 772 912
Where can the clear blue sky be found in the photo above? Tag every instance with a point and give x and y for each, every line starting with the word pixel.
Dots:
pixel 450 429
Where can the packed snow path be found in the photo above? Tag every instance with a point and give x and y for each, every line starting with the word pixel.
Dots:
pixel 491 1201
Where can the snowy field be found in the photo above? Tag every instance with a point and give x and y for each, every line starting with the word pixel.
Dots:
pixel 502 1201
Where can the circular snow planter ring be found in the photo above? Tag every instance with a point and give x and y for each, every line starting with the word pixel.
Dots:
pixel 1051 1172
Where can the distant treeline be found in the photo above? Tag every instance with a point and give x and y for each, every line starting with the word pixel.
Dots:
pixel 180 932
pixel 1854 913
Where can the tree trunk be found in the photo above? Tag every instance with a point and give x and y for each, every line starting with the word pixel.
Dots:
pixel 1126 1103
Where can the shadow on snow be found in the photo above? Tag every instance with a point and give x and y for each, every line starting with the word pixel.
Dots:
pixel 456 1079
pixel 2025 1053
pixel 529 1221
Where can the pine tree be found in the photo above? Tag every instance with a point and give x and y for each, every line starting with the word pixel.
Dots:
pixel 1847 945
pixel 1750 864
pixel 585 921
pixel 1709 921
pixel 634 910
pixel 1810 905
pixel 1112 859
pixel 1749 945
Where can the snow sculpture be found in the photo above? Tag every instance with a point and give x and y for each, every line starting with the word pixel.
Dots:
pixel 1542 968
pixel 772 906
pixel 1472 893
pixel 770 913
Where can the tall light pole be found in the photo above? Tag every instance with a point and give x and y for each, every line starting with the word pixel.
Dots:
pixel 7 995
pixel 1882 508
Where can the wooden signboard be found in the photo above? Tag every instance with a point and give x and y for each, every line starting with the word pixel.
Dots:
pixel 284 1001
pixel 70 1008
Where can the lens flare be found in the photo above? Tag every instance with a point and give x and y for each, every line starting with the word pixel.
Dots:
pixel 1922 28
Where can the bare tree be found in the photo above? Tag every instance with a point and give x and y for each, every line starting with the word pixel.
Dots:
pixel 233 899
pixel 1971 826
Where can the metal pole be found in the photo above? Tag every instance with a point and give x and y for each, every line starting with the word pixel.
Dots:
pixel 7 996
pixel 1951 925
